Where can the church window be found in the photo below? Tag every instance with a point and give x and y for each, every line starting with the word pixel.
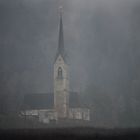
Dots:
pixel 60 73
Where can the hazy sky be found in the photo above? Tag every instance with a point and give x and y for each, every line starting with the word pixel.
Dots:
pixel 101 40
pixel 96 34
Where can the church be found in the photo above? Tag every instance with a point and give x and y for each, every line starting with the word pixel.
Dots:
pixel 61 105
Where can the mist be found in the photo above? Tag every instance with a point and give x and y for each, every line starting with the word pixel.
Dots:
pixel 101 40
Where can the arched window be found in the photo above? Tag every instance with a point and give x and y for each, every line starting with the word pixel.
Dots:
pixel 60 75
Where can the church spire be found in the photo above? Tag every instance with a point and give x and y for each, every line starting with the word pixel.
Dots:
pixel 60 50
pixel 61 37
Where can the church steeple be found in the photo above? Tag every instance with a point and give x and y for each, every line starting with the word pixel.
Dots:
pixel 60 50
pixel 61 77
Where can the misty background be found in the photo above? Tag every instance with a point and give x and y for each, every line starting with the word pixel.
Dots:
pixel 102 42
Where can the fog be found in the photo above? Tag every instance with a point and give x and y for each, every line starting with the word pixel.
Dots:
pixel 101 38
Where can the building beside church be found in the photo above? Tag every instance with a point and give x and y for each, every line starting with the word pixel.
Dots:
pixel 61 105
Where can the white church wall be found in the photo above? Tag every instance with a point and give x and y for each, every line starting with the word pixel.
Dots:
pixel 79 113
pixel 30 112
pixel 86 114
pixel 46 116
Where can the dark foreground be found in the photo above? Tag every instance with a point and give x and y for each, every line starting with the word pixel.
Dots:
pixel 71 134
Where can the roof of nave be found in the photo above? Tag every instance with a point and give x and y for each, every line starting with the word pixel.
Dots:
pixel 46 101
pixel 38 101
pixel 75 100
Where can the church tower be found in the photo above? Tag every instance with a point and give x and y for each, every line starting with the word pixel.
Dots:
pixel 61 77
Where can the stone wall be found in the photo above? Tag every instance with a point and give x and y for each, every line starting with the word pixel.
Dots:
pixel 79 114
pixel 47 116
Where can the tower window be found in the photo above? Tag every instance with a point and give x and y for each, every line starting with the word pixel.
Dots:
pixel 60 75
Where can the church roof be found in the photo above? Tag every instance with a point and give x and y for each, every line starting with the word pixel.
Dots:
pixel 38 101
pixel 46 101
pixel 74 100
pixel 60 50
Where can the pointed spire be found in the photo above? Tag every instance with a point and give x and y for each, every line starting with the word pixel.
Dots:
pixel 60 50
pixel 61 37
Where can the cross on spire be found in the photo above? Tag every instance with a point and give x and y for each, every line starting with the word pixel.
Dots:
pixel 61 10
